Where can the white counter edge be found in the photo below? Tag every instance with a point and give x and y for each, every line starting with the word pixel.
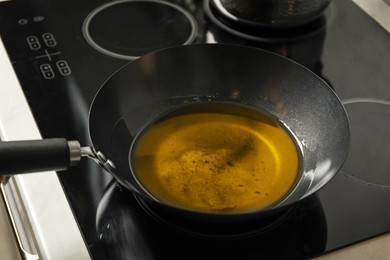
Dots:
pixel 377 9
pixel 54 226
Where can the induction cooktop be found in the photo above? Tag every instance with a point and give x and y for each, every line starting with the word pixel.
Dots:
pixel 63 51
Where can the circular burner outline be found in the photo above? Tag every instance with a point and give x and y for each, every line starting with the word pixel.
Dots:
pixel 91 15
pixel 349 176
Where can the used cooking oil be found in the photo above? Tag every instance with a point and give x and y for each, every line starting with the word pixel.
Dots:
pixel 219 158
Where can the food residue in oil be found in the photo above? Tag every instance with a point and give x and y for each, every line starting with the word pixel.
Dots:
pixel 217 162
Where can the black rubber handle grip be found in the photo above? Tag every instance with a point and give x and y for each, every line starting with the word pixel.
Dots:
pixel 34 156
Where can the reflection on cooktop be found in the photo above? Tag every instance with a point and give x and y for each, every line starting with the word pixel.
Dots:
pixel 301 230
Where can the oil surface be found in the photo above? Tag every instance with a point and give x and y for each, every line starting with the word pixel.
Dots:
pixel 216 161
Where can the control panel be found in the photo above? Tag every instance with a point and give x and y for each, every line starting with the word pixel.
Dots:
pixel 43 47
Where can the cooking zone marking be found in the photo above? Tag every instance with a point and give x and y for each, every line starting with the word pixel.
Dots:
pixel 376 163
pixel 48 55
pixel 165 23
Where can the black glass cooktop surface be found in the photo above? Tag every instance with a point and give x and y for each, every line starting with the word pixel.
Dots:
pixel 63 51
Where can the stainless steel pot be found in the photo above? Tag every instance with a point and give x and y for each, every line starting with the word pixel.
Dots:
pixel 271 14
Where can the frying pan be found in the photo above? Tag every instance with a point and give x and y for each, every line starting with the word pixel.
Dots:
pixel 176 77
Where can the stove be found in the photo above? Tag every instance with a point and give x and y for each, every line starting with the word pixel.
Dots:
pixel 63 51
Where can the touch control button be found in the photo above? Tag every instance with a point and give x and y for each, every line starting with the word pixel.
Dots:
pixel 63 67
pixel 47 71
pixel 33 42
pixel 49 39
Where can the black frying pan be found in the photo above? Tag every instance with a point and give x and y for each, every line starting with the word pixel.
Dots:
pixel 177 77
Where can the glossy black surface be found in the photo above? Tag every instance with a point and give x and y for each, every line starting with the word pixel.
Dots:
pixel 351 51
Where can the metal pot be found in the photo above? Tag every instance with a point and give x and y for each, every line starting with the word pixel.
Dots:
pixel 271 14
pixel 177 77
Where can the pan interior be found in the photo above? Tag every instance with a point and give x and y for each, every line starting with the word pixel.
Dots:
pixel 216 157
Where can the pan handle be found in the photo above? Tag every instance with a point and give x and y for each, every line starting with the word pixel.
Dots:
pixel 55 154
